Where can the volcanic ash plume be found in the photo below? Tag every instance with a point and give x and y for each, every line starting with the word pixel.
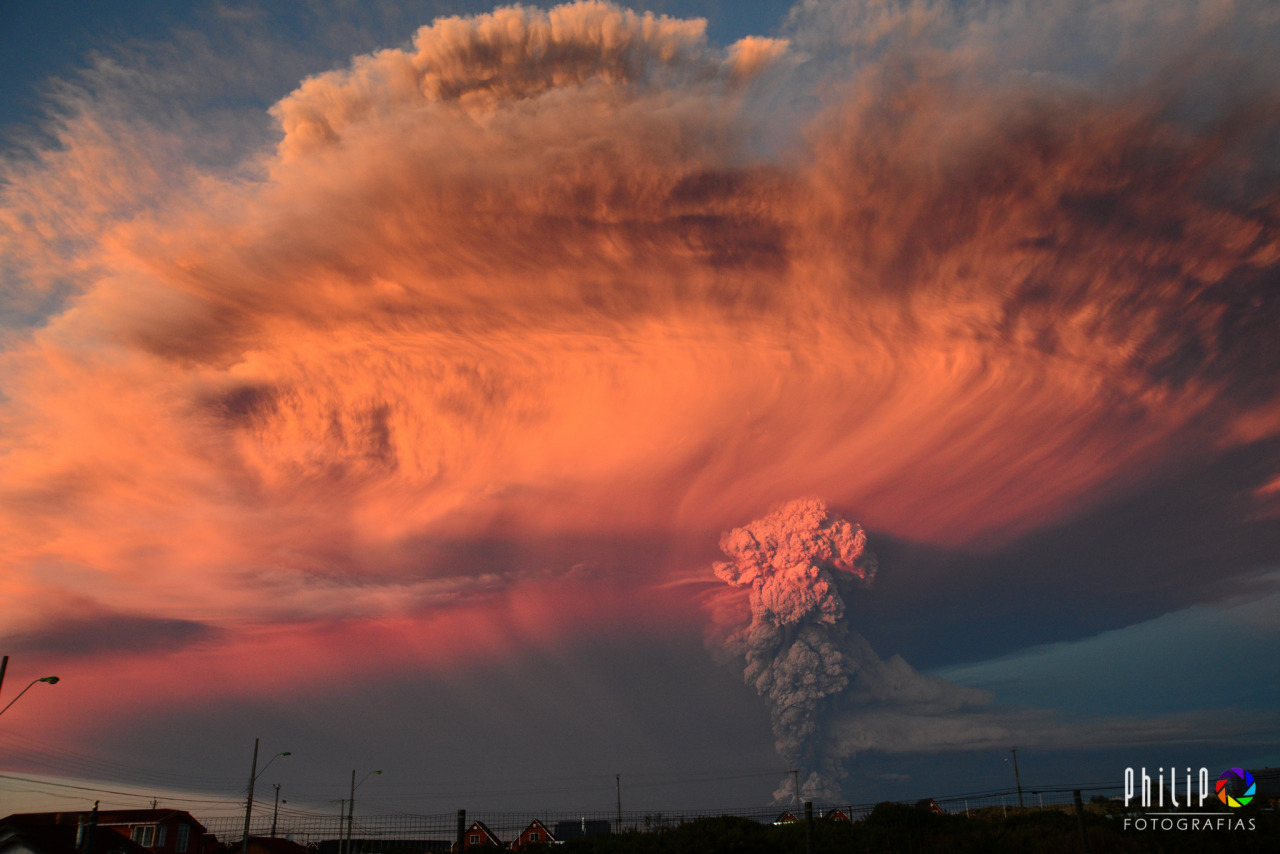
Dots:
pixel 796 645
pixel 828 692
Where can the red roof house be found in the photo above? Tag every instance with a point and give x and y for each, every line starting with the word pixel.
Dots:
pixel 535 834
pixel 28 834
pixel 931 805
pixel 478 835
pixel 271 845
pixel 160 831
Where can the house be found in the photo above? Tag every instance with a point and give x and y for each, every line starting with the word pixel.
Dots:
pixel 373 846
pixel 30 834
pixel 837 815
pixel 581 829
pixel 271 845
pixel 1268 782
pixel 931 805
pixel 787 817
pixel 160 831
pixel 478 835
pixel 535 834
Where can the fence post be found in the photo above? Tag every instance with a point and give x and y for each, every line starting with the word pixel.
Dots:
pixel 462 828
pixel 808 827
pixel 1084 834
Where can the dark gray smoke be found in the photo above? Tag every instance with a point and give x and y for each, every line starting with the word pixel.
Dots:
pixel 826 688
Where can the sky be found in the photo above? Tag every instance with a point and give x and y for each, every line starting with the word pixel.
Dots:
pixel 509 398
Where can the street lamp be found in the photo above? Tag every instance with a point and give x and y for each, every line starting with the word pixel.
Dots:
pixel 351 802
pixel 52 680
pixel 254 774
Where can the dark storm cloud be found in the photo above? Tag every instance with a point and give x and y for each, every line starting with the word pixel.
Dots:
pixel 109 634
pixel 1196 531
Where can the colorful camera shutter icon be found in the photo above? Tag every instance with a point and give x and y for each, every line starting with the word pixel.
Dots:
pixel 1227 782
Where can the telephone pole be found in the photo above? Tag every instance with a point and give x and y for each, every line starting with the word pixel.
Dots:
pixel 254 774
pixel 351 808
pixel 351 802
pixel 275 812
pixel 248 802
pixel 1016 777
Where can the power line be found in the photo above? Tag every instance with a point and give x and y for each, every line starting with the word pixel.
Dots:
pixel 30 751
pixel 508 786
pixel 97 789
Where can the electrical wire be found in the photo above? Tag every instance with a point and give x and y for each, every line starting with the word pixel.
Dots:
pixel 101 790
pixel 30 752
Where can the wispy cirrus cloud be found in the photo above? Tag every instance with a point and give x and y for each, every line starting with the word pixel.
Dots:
pixel 545 293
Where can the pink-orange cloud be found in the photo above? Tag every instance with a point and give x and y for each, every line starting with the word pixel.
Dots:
pixel 531 281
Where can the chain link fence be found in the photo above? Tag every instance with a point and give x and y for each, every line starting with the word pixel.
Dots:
pixel 404 833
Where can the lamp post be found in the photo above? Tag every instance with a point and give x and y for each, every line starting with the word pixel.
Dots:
pixel 351 802
pixel 254 774
pixel 52 680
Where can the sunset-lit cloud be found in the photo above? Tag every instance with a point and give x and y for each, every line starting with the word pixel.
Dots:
pixel 506 325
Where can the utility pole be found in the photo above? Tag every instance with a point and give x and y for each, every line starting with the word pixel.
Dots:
pixel 795 773
pixel 90 831
pixel 248 802
pixel 276 811
pixel 4 665
pixel 351 804
pixel 618 779
pixel 1016 777
pixel 351 808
